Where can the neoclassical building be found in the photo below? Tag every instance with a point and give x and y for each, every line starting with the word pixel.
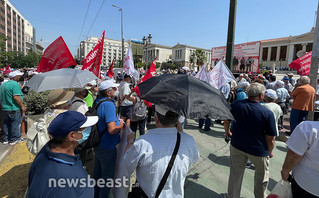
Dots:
pixel 282 51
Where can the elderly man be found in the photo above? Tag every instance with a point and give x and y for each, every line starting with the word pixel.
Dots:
pixel 109 127
pixel 270 103
pixel 283 95
pixel 151 154
pixel 303 96
pixel 288 86
pixel 57 162
pixel 253 137
pixel 272 83
pixel 12 108
pixel 303 159
pixel 291 80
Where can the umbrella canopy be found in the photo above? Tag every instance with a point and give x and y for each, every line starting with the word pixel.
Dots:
pixel 60 78
pixel 185 68
pixel 186 95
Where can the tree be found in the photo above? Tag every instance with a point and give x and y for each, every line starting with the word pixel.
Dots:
pixel 3 53
pixel 139 64
pixel 197 56
pixel 32 59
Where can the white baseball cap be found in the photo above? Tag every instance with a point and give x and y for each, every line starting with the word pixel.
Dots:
pixel 15 73
pixel 107 84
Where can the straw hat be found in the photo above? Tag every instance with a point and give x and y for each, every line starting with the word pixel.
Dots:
pixel 59 96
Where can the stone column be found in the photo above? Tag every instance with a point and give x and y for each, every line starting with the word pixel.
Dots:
pixel 269 53
pixel 291 53
pixel 278 54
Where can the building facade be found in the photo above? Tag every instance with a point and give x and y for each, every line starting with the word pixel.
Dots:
pixel 181 55
pixel 112 49
pixel 282 51
pixel 12 25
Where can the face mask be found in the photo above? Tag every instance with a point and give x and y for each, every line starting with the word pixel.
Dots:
pixel 85 135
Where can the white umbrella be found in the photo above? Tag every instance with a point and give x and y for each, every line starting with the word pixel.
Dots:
pixel 185 68
pixel 61 78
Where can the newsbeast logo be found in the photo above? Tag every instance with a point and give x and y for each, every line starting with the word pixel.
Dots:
pixel 88 182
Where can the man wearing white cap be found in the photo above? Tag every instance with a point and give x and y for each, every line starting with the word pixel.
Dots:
pixel 109 126
pixel 270 99
pixel 150 155
pixel 12 107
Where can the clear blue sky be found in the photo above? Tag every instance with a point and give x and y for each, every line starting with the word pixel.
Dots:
pixel 199 23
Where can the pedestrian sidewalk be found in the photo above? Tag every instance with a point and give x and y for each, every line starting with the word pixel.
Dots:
pixel 207 178
pixel 15 162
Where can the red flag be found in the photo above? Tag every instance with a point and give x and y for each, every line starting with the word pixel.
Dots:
pixel 56 56
pixel 93 60
pixel 149 74
pixel 302 64
pixel 110 72
pixel 7 70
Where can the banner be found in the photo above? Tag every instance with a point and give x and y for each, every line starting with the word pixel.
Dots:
pixel 120 167
pixel 302 64
pixel 242 53
pixel 128 67
pixel 56 56
pixel 110 71
pixel 219 75
pixel 93 59
pixel 202 74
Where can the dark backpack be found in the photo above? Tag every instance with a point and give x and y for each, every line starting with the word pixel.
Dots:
pixel 233 95
pixel 139 110
pixel 94 138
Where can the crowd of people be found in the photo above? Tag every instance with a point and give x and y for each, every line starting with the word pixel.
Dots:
pixel 258 104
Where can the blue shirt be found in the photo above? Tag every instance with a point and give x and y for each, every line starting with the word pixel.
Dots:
pixel 253 122
pixel 49 166
pixel 282 94
pixel 107 113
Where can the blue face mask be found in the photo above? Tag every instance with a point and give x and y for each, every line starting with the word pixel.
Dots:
pixel 85 134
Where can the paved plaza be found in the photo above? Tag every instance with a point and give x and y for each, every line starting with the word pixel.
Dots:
pixel 207 178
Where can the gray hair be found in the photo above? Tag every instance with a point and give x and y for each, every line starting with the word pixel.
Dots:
pixel 305 79
pixel 254 90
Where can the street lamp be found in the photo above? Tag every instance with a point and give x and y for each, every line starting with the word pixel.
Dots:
pixel 120 9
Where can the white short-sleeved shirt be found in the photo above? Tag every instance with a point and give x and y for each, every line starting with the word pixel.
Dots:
pixel 276 110
pixel 304 141
pixel 79 105
pixel 124 89
pixel 150 155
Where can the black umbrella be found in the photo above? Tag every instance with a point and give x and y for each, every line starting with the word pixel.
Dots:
pixel 186 95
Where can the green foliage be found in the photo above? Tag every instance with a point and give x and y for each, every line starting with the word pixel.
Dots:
pixel 139 64
pixel 36 102
pixel 158 65
pixel 198 55
pixel 32 59
pixel 168 65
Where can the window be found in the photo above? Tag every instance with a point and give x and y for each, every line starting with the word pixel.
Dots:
pixel 283 53
pixel 273 54
pixel 265 53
